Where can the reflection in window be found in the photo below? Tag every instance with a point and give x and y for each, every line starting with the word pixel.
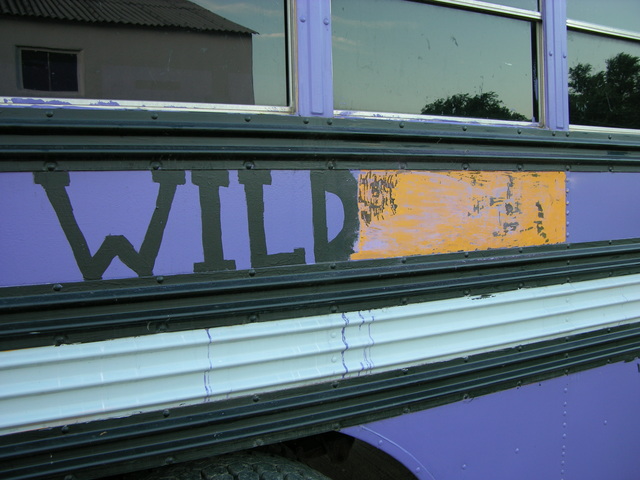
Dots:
pixel 407 57
pixel 206 51
pixel 523 4
pixel 604 81
pixel 619 14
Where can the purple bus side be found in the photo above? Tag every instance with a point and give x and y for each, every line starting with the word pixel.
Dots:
pixel 572 427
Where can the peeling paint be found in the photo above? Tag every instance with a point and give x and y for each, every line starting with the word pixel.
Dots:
pixel 421 213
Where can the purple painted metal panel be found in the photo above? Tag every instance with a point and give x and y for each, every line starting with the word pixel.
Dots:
pixel 103 204
pixel 578 427
pixel 602 206
pixel 315 80
pixel 555 64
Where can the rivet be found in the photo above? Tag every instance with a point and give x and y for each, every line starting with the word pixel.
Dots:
pixel 65 429
pixel 610 168
pixel 247 118
pixel 160 279
pixel 325 21
pixel 258 442
pixel 519 131
pixel 166 413
pixel 405 371
pixel 520 167
pixel 256 398
pixel 335 384
pixel 334 309
pixel 252 273
pixel 249 165
pixel 401 125
pixel 406 410
pixel 334 359
pixel 330 121
pixel 466 254
pixel 333 266
pixel 169 460
pixel 404 301
pixel 551 54
pixel 466 292
pixel 331 165
pixel 464 128
pixel 403 260
pixel 57 287
pixel 49 114
pixel 303 19
pixel 50 166
pixel 465 166
pixel 610 137
pixel 155 165
pixel 305 121
pixel 554 133
pixel 60 340
pixel 253 318
pixel 154 116
pixel 567 134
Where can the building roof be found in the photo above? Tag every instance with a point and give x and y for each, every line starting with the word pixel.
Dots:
pixel 182 14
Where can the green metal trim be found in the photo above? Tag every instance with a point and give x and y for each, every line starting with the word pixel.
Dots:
pixel 125 140
pixel 149 440
pixel 111 309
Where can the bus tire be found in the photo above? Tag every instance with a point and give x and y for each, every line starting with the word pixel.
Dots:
pixel 235 466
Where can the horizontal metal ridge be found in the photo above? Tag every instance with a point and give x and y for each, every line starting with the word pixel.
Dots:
pixel 31 321
pixel 48 386
pixel 218 427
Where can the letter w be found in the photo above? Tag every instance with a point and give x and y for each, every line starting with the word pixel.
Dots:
pixel 93 267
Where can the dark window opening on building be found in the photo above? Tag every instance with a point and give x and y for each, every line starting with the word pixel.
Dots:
pixel 49 71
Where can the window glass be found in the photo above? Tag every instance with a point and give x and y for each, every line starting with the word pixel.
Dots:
pixel 415 58
pixel 619 14
pixel 604 81
pixel 523 4
pixel 205 51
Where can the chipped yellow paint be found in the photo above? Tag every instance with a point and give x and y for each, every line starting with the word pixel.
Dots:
pixel 418 213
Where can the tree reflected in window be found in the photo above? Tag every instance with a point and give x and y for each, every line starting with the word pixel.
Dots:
pixel 482 105
pixel 608 98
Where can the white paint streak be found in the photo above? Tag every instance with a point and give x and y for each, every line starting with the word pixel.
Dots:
pixel 50 386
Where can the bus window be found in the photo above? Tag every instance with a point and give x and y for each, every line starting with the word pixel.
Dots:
pixel 415 58
pixel 604 63
pixel 166 51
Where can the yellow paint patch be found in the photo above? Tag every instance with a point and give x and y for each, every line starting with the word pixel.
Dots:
pixel 418 213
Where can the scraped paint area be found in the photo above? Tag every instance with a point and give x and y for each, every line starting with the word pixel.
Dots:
pixel 406 213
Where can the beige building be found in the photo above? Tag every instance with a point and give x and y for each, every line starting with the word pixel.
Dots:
pixel 148 50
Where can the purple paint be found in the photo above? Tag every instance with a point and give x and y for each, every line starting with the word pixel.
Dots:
pixel 602 206
pixel 33 248
pixel 555 72
pixel 577 427
pixel 287 213
pixel 315 80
